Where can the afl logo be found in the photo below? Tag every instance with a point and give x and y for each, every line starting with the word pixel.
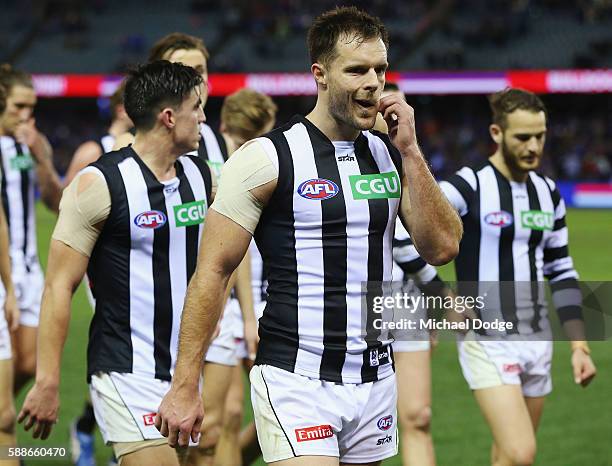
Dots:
pixel 151 219
pixel 499 219
pixel 318 189
pixel 385 423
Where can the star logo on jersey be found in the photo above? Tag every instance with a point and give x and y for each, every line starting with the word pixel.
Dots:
pixel 537 220
pixel 150 219
pixel 191 213
pixel 499 219
pixel 346 158
pixel 376 186
pixel 318 189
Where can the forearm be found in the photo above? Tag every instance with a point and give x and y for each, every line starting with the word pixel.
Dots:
pixel 244 290
pixel 201 313
pixel 434 225
pixel 5 259
pixel 48 179
pixel 52 331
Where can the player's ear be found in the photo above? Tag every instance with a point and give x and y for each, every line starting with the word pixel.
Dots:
pixel 496 133
pixel 320 74
pixel 167 117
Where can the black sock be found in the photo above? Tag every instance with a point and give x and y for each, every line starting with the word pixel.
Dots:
pixel 87 421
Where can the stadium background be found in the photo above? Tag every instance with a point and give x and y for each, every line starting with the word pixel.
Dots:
pixel 446 54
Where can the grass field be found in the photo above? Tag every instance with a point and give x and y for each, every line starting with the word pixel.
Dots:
pixel 576 429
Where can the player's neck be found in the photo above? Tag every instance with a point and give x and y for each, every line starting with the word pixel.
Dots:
pixel 117 128
pixel 497 159
pixel 157 153
pixel 329 126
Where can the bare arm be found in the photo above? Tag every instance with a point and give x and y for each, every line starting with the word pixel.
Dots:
pixel 244 293
pixel 86 153
pixel 11 309
pixel 433 224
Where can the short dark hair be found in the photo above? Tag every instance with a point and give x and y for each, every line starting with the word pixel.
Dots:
pixel 330 26
pixel 176 41
pixel 504 102
pixel 10 77
pixel 155 85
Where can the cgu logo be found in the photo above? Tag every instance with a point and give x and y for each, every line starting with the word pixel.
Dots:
pixel 318 189
pixel 537 220
pixel 376 186
pixel 499 219
pixel 191 213
pixel 385 423
pixel 151 219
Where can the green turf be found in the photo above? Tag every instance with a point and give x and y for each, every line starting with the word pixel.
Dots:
pixel 576 428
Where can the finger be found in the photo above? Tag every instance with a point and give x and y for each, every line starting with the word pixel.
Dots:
pixel 46 430
pixel 183 439
pixel 158 421
pixel 23 414
pixel 15 322
pixel 195 433
pixel 173 433
pixel 29 422
pixel 577 373
pixel 164 428
pixel 38 428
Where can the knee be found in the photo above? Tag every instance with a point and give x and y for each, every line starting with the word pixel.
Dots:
pixel 211 428
pixel 417 418
pixel 7 419
pixel 25 365
pixel 522 455
pixel 233 416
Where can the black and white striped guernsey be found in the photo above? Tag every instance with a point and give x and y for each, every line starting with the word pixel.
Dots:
pixel 17 189
pixel 327 229
pixel 514 233
pixel 142 262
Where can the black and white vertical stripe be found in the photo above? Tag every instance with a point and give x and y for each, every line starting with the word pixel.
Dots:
pixel 212 148
pixel 17 191
pixel 318 253
pixel 511 253
pixel 139 275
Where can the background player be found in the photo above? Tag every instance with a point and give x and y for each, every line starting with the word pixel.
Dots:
pixel 515 234
pixel 9 322
pixel 133 220
pixel 25 161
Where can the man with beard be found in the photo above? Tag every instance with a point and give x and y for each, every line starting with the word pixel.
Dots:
pixel 515 236
pixel 321 196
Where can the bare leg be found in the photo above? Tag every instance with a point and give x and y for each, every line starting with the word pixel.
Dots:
pixel 228 447
pixel 24 355
pixel 7 409
pixel 414 407
pixel 161 455
pixel 506 412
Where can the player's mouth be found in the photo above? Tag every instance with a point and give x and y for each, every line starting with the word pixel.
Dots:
pixel 365 104
pixel 529 159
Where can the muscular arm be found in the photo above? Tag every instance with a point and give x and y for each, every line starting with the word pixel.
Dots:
pixel 86 153
pixel 434 226
pixel 48 180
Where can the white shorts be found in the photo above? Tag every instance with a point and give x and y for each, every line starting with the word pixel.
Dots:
pixel 222 350
pixel 28 291
pixel 125 405
pixel 490 363
pixel 410 346
pixel 5 337
pixel 299 416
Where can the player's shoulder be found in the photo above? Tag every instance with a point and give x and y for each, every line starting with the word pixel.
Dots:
pixel 538 176
pixel 113 158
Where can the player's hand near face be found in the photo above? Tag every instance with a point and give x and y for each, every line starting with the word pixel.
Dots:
pixel 26 132
pixel 399 117
pixel 583 367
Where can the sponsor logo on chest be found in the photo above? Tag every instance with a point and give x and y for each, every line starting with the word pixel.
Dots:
pixel 314 433
pixel 499 219
pixel 191 213
pixel 318 189
pixel 22 162
pixel 376 186
pixel 537 220
pixel 150 219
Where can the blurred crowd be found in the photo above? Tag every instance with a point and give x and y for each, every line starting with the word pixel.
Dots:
pixel 578 147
